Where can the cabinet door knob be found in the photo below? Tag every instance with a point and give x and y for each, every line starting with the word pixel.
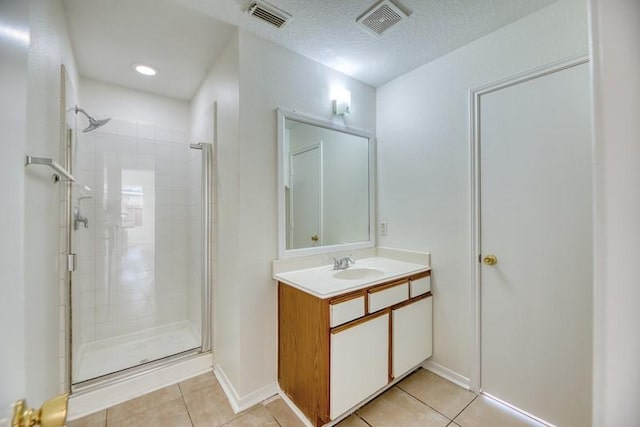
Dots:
pixel 490 260
pixel 315 238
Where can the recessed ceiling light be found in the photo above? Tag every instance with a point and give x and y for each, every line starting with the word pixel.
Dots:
pixel 144 69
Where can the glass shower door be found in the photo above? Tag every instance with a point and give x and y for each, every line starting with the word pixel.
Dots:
pixel 136 293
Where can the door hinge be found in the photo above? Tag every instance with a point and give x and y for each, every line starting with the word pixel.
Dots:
pixel 71 262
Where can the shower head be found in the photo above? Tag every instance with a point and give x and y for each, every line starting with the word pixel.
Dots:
pixel 93 123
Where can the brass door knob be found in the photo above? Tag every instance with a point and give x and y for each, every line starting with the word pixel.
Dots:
pixel 53 413
pixel 490 260
pixel 315 238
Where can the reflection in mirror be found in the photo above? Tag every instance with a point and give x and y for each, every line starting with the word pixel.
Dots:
pixel 326 186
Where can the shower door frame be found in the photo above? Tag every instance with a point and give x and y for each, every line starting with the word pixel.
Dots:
pixel 206 198
pixel 207 245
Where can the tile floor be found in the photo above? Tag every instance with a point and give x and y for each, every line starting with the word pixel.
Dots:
pixel 423 399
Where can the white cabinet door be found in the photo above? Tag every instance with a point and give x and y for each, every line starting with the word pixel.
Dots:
pixel 412 335
pixel 359 363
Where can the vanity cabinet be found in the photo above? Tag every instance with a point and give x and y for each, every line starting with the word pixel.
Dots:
pixel 337 352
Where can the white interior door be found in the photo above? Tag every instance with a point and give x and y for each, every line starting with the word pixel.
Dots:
pixel 535 217
pixel 306 197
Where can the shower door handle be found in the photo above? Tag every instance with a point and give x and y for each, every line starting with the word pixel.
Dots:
pixel 72 262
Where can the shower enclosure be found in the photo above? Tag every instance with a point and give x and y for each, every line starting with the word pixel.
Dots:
pixel 141 288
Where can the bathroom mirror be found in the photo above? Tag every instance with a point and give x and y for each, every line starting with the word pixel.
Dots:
pixel 325 186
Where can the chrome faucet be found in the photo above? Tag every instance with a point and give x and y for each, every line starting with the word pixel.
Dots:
pixel 343 263
pixel 77 219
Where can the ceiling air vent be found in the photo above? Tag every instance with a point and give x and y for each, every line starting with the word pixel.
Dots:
pixel 269 13
pixel 382 16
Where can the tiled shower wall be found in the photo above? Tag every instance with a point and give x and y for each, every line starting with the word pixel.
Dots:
pixel 117 291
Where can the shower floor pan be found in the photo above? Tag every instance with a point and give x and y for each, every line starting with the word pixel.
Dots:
pixel 104 357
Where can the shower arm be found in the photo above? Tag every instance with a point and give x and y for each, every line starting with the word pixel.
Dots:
pixel 80 110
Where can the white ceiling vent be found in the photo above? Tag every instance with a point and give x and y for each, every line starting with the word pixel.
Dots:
pixel 269 13
pixel 382 16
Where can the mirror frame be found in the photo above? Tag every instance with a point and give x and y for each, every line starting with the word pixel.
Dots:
pixel 283 252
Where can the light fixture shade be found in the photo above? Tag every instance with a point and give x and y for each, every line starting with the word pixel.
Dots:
pixel 342 103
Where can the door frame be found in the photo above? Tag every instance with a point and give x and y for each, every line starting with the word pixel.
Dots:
pixel 475 97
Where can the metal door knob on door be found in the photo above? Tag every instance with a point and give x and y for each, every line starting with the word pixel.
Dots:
pixel 53 413
pixel 490 260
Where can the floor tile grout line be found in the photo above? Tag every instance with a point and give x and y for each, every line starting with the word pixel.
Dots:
pixel 187 409
pixel 270 413
pixel 107 422
pixel 427 405
pixel 275 419
pixel 240 414
pixel 475 396
pixel 463 409
pixel 363 420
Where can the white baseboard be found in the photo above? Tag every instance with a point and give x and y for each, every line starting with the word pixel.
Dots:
pixel 294 408
pixel 99 398
pixel 447 374
pixel 239 404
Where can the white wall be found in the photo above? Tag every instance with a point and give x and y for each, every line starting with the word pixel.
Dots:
pixel 221 86
pixel 246 309
pixel 50 47
pixel 615 34
pixel 107 100
pixel 423 156
pixel 14 51
pixel 30 81
pixel 294 83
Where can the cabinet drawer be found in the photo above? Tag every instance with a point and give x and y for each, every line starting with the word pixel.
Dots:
pixel 346 311
pixel 386 296
pixel 419 286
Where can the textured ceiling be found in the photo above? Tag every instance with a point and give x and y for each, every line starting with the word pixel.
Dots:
pixel 183 37
pixel 326 30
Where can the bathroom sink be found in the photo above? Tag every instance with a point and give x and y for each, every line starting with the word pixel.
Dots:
pixel 358 274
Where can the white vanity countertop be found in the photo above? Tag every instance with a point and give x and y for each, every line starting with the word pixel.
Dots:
pixel 320 281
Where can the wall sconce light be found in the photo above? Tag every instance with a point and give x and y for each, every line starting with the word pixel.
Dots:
pixel 342 103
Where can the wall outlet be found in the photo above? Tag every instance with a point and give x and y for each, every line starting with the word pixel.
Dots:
pixel 384 227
